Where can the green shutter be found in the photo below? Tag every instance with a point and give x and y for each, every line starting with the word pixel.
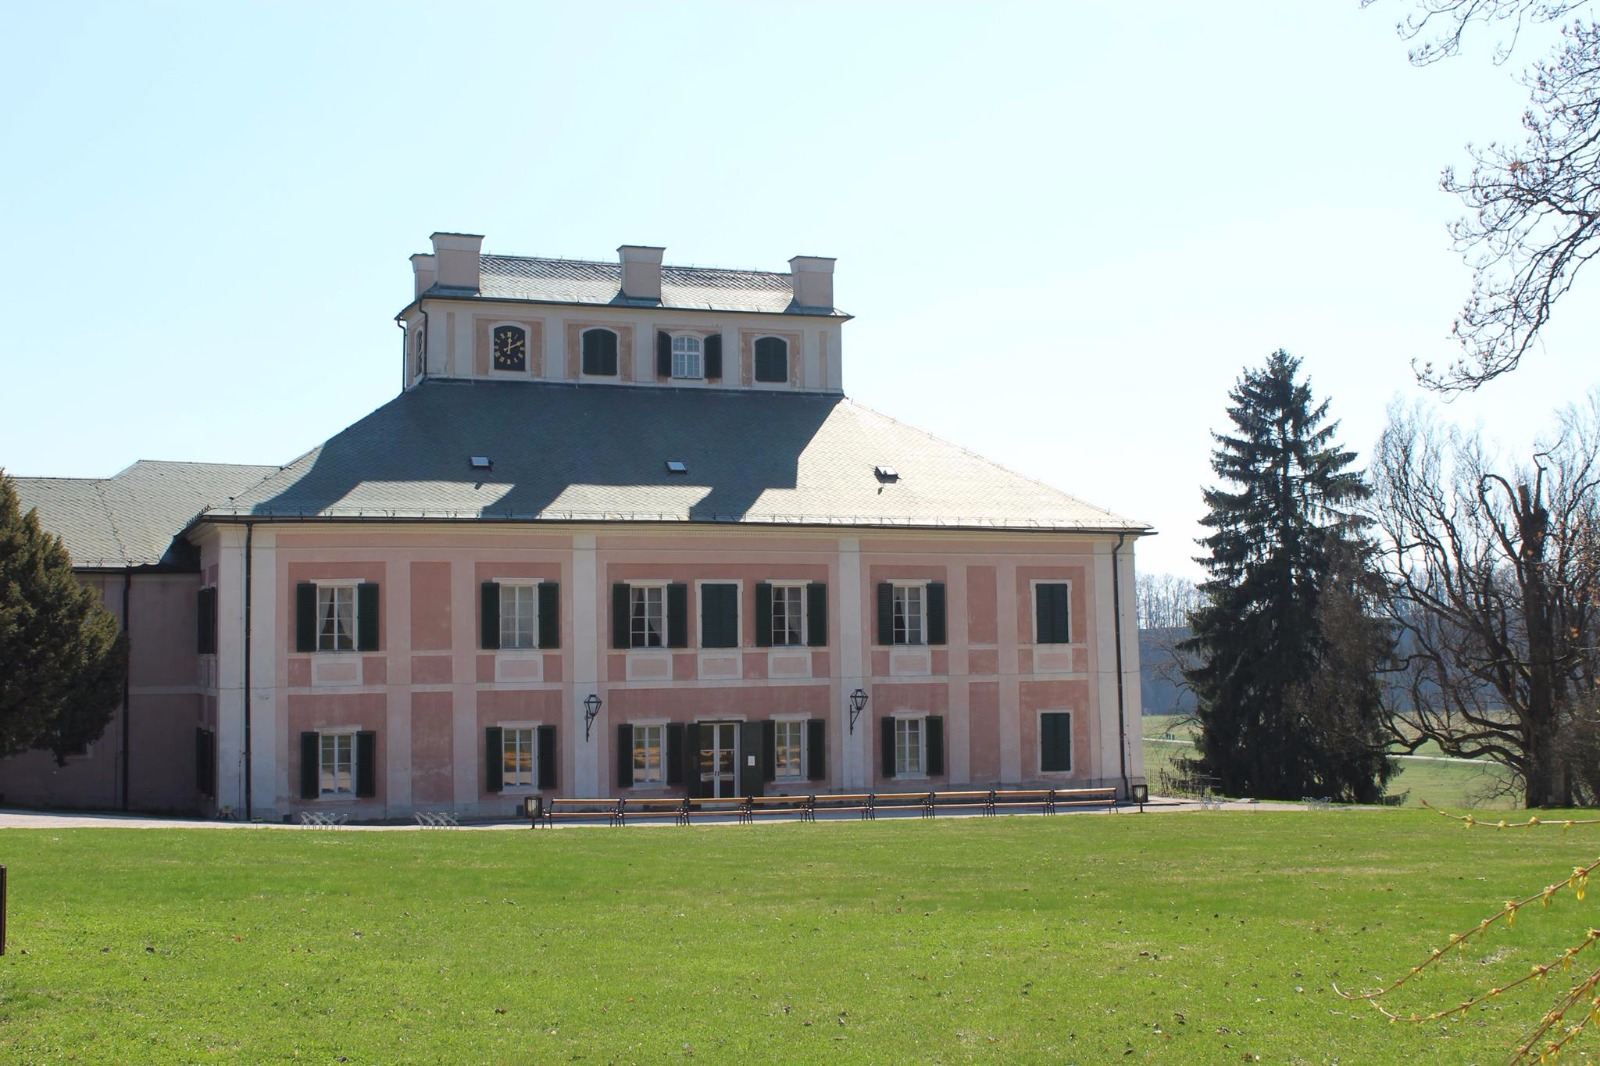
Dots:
pixel 749 771
pixel 763 615
pixel 677 616
pixel 769 750
pixel 624 756
pixel 934 737
pixel 494 756
pixel 885 613
pixel 936 612
pixel 817 614
pixel 305 617
pixel 886 756
pixel 367 616
pixel 548 753
pixel 549 614
pixel 817 749
pixel 713 357
pixel 366 763
pixel 719 616
pixel 663 354
pixel 772 359
pixel 1055 743
pixel 310 755
pixel 489 616
pixel 620 631
pixel 673 756
pixel 206 621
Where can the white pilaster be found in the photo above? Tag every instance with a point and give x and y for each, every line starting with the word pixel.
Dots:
pixel 1010 680
pixel 852 665
pixel 269 738
pixel 465 740
pixel 585 771
pixel 396 770
pixel 230 667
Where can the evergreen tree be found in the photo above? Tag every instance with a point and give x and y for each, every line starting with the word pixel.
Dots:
pixel 1286 649
pixel 62 653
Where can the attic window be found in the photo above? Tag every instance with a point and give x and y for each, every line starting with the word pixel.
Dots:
pixel 886 473
pixel 677 466
pixel 481 462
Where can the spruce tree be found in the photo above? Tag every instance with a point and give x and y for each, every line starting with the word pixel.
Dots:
pixel 61 652
pixel 1286 650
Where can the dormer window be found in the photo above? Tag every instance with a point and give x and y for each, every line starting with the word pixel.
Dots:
pixel 772 359
pixel 419 350
pixel 600 353
pixel 686 357
pixel 510 348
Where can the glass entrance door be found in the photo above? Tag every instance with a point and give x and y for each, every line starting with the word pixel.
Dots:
pixel 719 759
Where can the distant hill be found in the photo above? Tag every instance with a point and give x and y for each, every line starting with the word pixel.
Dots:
pixel 1159 678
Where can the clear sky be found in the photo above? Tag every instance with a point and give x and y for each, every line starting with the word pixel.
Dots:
pixel 1063 228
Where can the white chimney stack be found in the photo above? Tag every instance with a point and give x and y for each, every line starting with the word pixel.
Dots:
pixel 424 271
pixel 641 271
pixel 811 277
pixel 456 256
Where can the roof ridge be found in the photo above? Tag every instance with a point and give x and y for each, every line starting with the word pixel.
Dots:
pixel 618 266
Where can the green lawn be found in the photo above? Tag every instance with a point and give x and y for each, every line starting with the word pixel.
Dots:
pixel 1423 777
pixel 1202 937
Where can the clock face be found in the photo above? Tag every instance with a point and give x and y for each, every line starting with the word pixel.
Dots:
pixel 510 348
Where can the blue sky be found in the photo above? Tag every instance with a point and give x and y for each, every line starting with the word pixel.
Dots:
pixel 1063 228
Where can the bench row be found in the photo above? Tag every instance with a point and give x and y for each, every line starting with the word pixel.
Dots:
pixel 617 810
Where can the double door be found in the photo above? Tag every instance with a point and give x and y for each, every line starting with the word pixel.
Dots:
pixel 727 762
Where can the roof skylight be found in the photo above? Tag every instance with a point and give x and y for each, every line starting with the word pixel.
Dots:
pixel 481 462
pixel 677 466
pixel 886 473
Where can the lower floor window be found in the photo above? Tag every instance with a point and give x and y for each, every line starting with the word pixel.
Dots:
pixel 518 765
pixel 908 746
pixel 788 743
pixel 1055 742
pixel 336 767
pixel 649 742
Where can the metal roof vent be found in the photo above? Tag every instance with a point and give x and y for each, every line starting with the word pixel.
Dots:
pixel 677 466
pixel 481 462
pixel 886 473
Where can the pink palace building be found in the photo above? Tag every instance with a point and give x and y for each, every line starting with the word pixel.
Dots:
pixel 621 533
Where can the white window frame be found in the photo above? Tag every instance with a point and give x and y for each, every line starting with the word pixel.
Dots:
pixel 1072 762
pixel 901 593
pixel 520 590
pixel 334 587
pixel 344 739
pixel 1033 589
pixel 527 348
pixel 700 606
pixel 682 368
pixel 649 776
pixel 907 745
pixel 517 738
pixel 796 589
pixel 649 589
pixel 585 331
pixel 801 755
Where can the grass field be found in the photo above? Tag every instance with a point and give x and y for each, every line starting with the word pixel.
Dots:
pixel 1423 777
pixel 1179 938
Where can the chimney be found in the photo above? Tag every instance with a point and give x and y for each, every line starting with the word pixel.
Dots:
pixel 641 271
pixel 456 255
pixel 424 270
pixel 811 277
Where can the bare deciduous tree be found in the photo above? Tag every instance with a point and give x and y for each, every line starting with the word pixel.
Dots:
pixel 1165 600
pixel 1494 585
pixel 1533 208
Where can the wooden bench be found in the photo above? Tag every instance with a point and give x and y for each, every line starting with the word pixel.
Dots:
pixel 676 807
pixel 1083 797
pixel 609 809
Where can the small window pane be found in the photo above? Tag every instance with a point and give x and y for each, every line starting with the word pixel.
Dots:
pixel 686 357
pixel 517 767
pixel 908 746
pixel 647 750
pixel 908 615
pixel 336 617
pixel 519 616
pixel 648 625
pixel 789 744
pixel 337 763
pixel 788 617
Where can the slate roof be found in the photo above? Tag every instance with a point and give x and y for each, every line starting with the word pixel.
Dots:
pixel 576 281
pixel 132 518
pixel 564 452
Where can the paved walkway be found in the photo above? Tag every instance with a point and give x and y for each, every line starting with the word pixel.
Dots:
pixel 19 819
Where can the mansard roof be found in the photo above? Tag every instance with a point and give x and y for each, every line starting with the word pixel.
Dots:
pixel 563 452
pixel 577 281
pixel 130 519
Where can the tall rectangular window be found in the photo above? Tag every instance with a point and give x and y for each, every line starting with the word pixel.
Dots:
pixel 909 615
pixel 788 747
pixel 686 357
pixel 649 746
pixel 788 615
pixel 336 764
pixel 519 616
pixel 336 618
pixel 1052 603
pixel 908 747
pixel 648 616
pixel 519 762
